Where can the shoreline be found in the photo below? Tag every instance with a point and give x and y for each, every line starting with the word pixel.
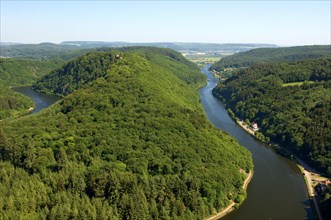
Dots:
pixel 230 207
pixel 306 170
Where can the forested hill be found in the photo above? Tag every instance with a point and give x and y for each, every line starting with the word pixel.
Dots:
pixel 291 102
pixel 91 66
pixel 133 143
pixel 269 55
pixel 16 72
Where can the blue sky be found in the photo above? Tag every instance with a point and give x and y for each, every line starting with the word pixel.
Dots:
pixel 279 22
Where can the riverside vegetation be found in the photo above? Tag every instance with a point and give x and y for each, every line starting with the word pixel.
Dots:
pixel 129 140
pixel 291 104
pixel 18 72
pixel 12 104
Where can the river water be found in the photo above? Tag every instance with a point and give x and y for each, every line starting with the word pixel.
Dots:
pixel 41 100
pixel 277 190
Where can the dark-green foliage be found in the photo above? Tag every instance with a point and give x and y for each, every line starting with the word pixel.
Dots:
pixel 76 73
pixel 270 55
pixel 298 117
pixel 132 144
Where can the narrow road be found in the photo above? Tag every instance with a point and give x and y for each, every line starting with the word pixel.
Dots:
pixel 223 212
pixel 307 171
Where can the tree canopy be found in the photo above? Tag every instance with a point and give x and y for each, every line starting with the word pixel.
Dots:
pixel 128 141
pixel 291 102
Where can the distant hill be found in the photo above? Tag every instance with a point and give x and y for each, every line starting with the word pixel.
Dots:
pixel 268 55
pixel 129 141
pixel 8 43
pixel 178 46
pixel 70 49
pixel 41 51
pixel 16 72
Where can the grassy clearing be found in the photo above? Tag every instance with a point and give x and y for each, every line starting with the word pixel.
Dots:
pixel 297 83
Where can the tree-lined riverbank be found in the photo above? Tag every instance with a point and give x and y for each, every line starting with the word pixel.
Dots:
pixel 275 177
pixel 310 175
pixel 232 205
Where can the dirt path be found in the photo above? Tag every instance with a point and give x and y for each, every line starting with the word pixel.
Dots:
pixel 230 208
pixel 223 212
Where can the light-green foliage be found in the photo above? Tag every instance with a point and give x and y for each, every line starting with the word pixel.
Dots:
pixel 15 72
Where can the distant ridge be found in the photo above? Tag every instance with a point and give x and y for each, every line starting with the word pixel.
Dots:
pixel 9 43
pixel 173 45
pixel 268 55
pixel 70 49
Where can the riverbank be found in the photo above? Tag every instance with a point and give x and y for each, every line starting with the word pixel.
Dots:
pixel 273 176
pixel 311 178
pixel 230 207
pixel 310 175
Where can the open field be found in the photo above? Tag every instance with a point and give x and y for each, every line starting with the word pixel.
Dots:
pixel 203 59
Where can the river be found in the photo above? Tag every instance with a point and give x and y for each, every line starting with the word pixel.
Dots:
pixel 277 190
pixel 40 100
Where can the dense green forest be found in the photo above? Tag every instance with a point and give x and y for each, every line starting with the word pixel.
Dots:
pixel 12 104
pixel 270 55
pixel 296 115
pixel 132 142
pixel 91 66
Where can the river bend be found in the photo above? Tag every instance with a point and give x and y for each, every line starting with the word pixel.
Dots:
pixel 277 190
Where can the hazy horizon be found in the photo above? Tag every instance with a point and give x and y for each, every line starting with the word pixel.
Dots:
pixel 284 23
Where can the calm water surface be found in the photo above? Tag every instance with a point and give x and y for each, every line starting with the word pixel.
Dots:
pixel 41 100
pixel 277 190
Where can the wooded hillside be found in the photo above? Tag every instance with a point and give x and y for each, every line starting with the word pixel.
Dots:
pixel 129 142
pixel 291 102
